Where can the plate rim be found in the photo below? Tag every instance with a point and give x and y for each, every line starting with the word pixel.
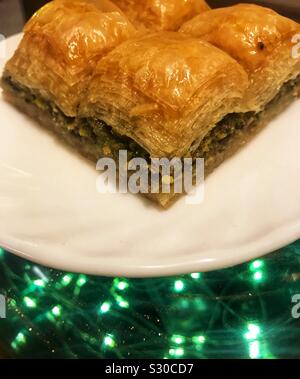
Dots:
pixel 284 236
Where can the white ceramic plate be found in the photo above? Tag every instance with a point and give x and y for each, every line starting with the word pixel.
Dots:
pixel 51 213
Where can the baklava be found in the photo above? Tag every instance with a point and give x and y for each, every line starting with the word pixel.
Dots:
pixel 61 47
pixel 93 77
pixel 259 39
pixel 262 41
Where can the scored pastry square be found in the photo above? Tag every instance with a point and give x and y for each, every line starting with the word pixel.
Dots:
pixel 260 39
pixel 63 42
pixel 165 91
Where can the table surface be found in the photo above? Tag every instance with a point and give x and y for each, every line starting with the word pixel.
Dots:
pixel 245 311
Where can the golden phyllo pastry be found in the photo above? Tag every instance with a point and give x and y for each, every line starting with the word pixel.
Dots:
pixel 165 91
pixel 158 15
pixel 62 44
pixel 260 39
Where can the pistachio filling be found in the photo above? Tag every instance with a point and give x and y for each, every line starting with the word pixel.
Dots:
pixel 103 141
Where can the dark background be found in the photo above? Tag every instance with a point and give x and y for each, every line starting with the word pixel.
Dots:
pixel 287 7
pixel 13 13
pixel 290 8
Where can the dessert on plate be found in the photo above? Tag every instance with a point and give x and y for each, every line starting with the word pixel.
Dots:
pixel 103 83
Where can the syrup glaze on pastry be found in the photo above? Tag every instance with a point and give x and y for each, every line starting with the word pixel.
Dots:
pixel 157 15
pixel 164 91
pixel 62 44
pixel 259 39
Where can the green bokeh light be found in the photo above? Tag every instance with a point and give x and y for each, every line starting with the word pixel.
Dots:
pixel 82 280
pixel 196 275
pixel 258 276
pixel 254 349
pixel 253 332
pixel 56 311
pixel 18 341
pixel 179 286
pixel 199 339
pixel 121 284
pixel 67 279
pixel 177 352
pixel 39 283
pixel 30 303
pixel 109 341
pixel 177 339
pixel 259 263
pixel 105 307
pixel 122 302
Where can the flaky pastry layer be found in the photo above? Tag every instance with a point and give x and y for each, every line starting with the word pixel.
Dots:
pixel 165 91
pixel 62 44
pixel 259 39
pixel 94 139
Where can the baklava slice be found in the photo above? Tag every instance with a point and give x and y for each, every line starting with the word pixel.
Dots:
pixel 160 95
pixel 161 15
pixel 153 96
pixel 263 42
pixel 165 91
pixel 61 46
